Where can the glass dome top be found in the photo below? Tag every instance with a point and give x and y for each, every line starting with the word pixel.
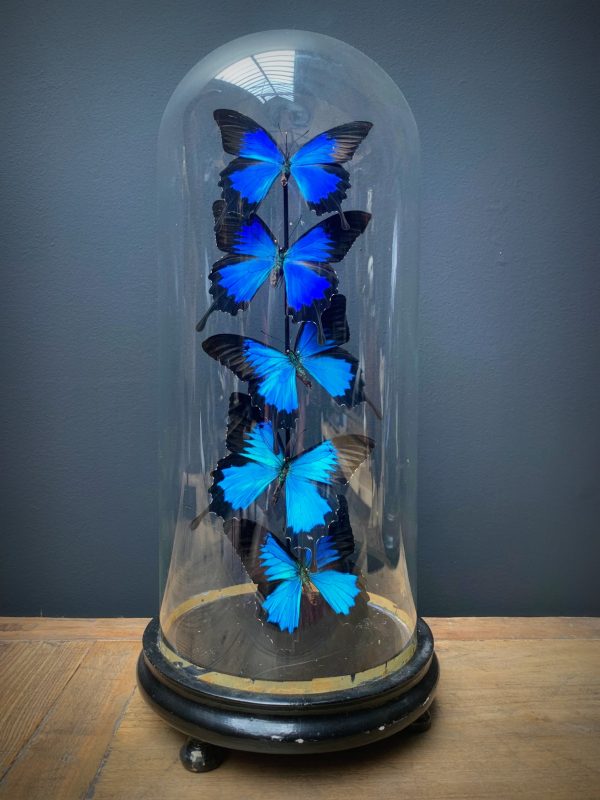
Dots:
pixel 288 166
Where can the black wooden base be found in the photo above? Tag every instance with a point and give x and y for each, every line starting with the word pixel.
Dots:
pixel 214 718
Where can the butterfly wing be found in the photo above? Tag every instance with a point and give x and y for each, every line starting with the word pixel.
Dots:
pixel 317 169
pixel 334 322
pixel 247 179
pixel 241 477
pixel 247 537
pixel 242 416
pixel 338 545
pixel 333 367
pixel 251 252
pixel 330 463
pixel 309 278
pixel 339 589
pixel 283 603
pixel 270 374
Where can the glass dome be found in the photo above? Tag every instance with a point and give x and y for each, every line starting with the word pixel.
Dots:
pixel 288 211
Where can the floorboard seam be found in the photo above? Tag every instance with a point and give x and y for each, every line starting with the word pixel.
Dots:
pixel 37 730
pixel 91 790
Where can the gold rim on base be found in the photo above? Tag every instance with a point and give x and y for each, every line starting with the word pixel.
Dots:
pixel 294 687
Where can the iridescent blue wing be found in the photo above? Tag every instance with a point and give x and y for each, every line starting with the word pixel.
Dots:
pixel 316 167
pixel 247 179
pixel 251 251
pixel 310 280
pixel 240 478
pixel 283 604
pixel 270 374
pixel 333 367
pixel 277 562
pixel 339 589
pixel 329 464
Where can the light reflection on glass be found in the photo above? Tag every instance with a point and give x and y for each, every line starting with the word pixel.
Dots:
pixel 265 75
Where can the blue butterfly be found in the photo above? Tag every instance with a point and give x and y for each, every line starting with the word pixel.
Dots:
pixel 253 256
pixel 272 375
pixel 286 575
pixel 255 465
pixel 296 575
pixel 316 166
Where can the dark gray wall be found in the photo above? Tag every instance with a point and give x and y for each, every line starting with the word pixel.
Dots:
pixel 506 96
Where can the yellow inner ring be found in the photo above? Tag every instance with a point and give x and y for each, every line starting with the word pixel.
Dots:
pixel 316 685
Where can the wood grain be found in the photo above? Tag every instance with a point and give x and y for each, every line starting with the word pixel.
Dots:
pixel 36 629
pixel 517 716
pixel 62 759
pixel 477 628
pixel 122 629
pixel 513 719
pixel 32 677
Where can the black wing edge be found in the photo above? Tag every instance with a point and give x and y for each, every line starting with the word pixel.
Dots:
pixel 332 201
pixel 247 537
pixel 242 416
pixel 354 394
pixel 222 301
pixel 234 202
pixel 344 237
pixel 348 138
pixel 228 349
pixel 233 126
pixel 334 321
pixel 341 532
pixel 228 222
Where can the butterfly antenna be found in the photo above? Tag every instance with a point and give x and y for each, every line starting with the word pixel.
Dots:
pixel 197 520
pixel 293 231
pixel 373 407
pixel 319 324
pixel 270 336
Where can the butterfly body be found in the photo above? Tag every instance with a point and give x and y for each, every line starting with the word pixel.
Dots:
pixel 301 373
pixel 277 271
pixel 285 468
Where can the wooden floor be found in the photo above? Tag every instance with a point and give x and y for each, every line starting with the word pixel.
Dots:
pixel 517 715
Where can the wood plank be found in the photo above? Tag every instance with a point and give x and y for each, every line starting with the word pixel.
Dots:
pixel 32 677
pixel 478 628
pixel 513 719
pixel 465 628
pixel 65 629
pixel 62 759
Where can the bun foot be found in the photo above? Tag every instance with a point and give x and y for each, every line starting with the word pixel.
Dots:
pixel 201 756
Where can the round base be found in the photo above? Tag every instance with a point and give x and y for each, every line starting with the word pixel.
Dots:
pixel 294 724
